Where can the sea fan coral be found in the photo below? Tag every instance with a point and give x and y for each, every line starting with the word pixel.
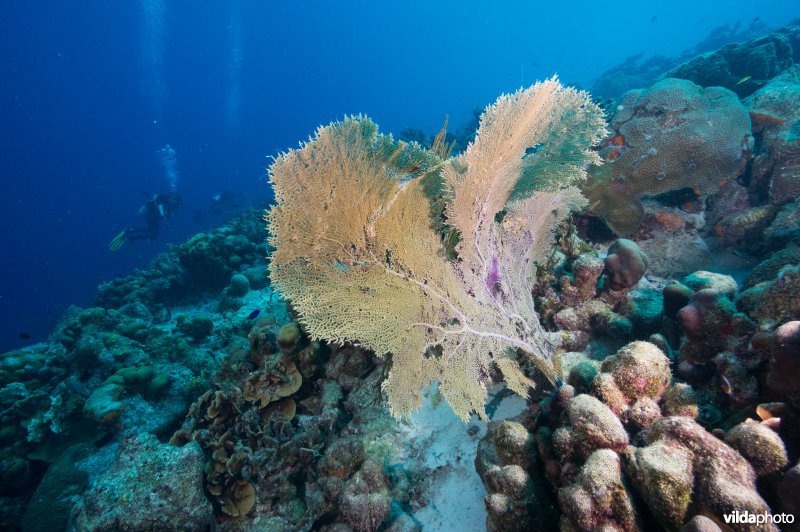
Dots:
pixel 359 252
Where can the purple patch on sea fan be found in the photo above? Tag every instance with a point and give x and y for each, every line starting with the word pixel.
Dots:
pixel 493 277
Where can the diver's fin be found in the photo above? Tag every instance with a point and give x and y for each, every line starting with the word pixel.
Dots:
pixel 118 240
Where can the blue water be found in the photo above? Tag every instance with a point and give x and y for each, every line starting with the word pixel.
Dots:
pixel 91 91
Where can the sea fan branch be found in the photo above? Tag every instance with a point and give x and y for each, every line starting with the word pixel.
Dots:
pixel 360 256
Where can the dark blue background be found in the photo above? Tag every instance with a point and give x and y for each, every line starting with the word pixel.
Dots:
pixel 80 125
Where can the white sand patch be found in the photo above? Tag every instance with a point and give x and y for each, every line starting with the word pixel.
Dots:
pixel 442 448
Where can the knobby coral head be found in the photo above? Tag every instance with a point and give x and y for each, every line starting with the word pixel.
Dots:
pixel 361 222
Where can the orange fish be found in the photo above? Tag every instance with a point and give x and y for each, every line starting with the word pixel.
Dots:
pixel 762 120
pixel 616 140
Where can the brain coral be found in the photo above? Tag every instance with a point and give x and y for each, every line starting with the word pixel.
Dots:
pixel 671 136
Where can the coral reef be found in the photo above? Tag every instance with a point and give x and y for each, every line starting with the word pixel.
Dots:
pixel 51 504
pixel 632 381
pixel 592 426
pixel 760 445
pixel 278 418
pixel 681 463
pixel 633 72
pixel 149 486
pixel 709 313
pixel 676 450
pixel 625 265
pixel 130 365
pixel 784 348
pixel 247 431
pixel 598 498
pixel 759 60
pixel 775 301
pixel 204 264
pixel 190 396
pixel 789 490
pixel 671 136
pixel 673 463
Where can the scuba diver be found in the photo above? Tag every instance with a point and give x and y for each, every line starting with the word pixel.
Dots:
pixel 159 207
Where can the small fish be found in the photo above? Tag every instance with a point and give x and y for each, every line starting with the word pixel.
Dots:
pixel 254 314
pixel 24 336
pixel 654 18
pixel 726 386
pixel 743 80
pixel 762 120
pixel 616 140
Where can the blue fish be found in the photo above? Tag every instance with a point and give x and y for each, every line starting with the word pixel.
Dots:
pixel 254 314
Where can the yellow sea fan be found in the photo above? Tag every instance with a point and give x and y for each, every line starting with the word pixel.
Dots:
pixel 359 257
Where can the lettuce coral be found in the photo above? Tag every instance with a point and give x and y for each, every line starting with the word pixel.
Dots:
pixel 359 254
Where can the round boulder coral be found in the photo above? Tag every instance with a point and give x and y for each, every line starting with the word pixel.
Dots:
pixel 643 412
pixel 581 376
pixel 594 316
pixel 625 264
pixel 510 489
pixel 778 300
pixel 607 391
pixel 680 400
pixel 365 502
pixel 664 475
pixel 676 296
pixel 700 523
pixel 506 461
pixel 594 426
pixel 639 369
pixel 716 281
pixel 586 270
pixel 671 136
pixel 197 327
pixel 240 286
pixel 761 446
pixel 598 500
pixel 515 445
pixel 784 374
pixel 710 322
pixel 723 480
pixel 289 336
pixel 789 490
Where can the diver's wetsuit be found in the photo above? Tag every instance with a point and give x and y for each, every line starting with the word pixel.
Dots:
pixel 152 216
pixel 161 206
